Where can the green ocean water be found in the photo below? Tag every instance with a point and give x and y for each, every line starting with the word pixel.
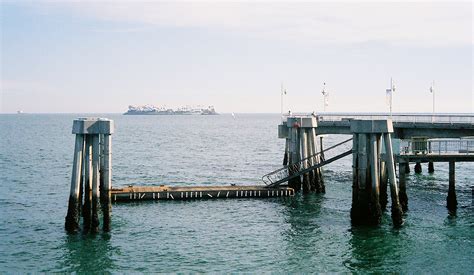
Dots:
pixel 309 233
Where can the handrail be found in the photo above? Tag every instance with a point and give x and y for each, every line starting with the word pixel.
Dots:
pixel 437 147
pixel 411 118
pixel 295 169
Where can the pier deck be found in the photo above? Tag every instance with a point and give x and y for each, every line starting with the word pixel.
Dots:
pixel 165 192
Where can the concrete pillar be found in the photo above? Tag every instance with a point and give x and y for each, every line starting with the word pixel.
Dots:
pixel 96 160
pixel 285 156
pixel 312 159
pixel 374 206
pixel 294 183
pixel 407 167
pixel 95 183
pixel 402 185
pixel 106 173
pixel 383 185
pixel 452 202
pixel 304 155
pixel 418 169
pixel 430 167
pixel 87 208
pixel 72 217
pixel 396 207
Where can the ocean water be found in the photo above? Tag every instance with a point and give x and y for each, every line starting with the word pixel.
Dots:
pixel 309 233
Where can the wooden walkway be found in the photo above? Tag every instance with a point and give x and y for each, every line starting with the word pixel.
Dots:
pixel 165 192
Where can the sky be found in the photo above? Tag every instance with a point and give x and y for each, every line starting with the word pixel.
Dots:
pixel 101 56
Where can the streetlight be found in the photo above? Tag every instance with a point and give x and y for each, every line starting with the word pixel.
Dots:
pixel 432 90
pixel 389 93
pixel 283 92
pixel 325 97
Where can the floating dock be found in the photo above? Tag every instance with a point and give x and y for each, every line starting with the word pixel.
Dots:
pixel 165 192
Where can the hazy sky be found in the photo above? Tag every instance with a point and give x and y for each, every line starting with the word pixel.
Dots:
pixel 93 56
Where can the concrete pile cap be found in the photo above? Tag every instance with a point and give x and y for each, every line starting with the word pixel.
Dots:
pixel 372 126
pixel 302 122
pixel 93 125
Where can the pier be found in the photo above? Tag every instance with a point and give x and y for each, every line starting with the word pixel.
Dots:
pixel 374 157
pixel 371 145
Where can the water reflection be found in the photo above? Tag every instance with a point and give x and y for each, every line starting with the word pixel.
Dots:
pixel 375 248
pixel 87 253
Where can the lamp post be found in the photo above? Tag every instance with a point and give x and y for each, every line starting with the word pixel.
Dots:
pixel 390 94
pixel 283 92
pixel 325 97
pixel 432 90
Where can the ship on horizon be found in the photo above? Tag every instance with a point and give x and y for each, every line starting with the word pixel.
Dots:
pixel 154 110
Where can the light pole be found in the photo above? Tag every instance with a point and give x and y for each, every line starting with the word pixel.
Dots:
pixel 325 97
pixel 432 90
pixel 390 94
pixel 283 92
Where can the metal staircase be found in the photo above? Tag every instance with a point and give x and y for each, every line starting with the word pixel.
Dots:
pixel 308 164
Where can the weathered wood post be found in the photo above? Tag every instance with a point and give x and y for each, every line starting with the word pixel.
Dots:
pixel 452 202
pixel 366 208
pixel 88 131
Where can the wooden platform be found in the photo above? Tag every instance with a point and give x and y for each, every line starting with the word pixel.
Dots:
pixel 165 192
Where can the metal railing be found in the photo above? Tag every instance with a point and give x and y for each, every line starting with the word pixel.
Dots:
pixel 410 118
pixel 437 147
pixel 312 162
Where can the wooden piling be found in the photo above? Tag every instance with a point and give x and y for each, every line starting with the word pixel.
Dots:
pixel 396 207
pixel 95 183
pixel 72 217
pixel 402 185
pixel 452 202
